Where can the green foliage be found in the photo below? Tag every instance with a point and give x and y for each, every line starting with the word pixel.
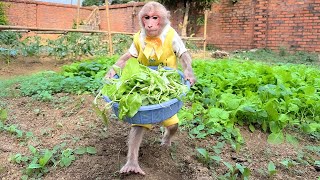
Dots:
pixel 74 45
pixel 283 56
pixel 191 45
pixel 40 162
pixel 271 169
pixel 3 115
pixel 121 42
pixel 139 85
pixel 70 46
pixel 197 5
pixel 91 68
pixel 14 129
pixel 93 2
pixel 9 41
pixel 271 98
pixel 31 46
pixel 9 38
pixel 236 171
pixel 3 17
pixel 79 77
pixel 42 86
pixel 288 163
pixel 102 2
pixel 205 157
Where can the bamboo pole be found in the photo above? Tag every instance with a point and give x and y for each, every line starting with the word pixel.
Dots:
pixel 49 29
pixel 24 28
pixel 78 13
pixel 205 33
pixel 108 26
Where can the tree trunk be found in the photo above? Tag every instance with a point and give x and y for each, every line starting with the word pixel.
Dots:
pixel 185 20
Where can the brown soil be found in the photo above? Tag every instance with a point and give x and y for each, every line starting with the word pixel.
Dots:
pixel 71 118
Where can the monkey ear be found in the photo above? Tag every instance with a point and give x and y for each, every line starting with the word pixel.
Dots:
pixel 168 14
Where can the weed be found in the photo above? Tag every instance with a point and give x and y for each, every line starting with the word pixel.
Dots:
pixel 271 169
pixel 236 171
pixel 121 43
pixel 3 115
pixel 205 157
pixel 40 162
pixel 288 163
pixel 283 56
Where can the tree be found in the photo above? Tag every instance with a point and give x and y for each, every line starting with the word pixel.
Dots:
pixel 3 17
pixel 194 5
pixel 102 2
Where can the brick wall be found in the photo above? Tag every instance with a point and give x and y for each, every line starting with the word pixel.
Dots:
pixel 246 24
pixel 50 15
pixel 293 24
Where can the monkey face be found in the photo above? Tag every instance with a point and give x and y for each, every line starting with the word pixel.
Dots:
pixel 151 23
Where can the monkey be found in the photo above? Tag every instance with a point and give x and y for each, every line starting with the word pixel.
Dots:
pixel 156 43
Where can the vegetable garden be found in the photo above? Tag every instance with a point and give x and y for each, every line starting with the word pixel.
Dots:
pixel 243 119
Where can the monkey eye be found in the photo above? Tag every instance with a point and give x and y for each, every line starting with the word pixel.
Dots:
pixel 154 17
pixel 147 17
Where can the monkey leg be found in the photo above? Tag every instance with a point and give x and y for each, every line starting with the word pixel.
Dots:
pixel 170 131
pixel 135 138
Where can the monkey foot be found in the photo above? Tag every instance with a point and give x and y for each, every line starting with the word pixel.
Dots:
pixel 132 167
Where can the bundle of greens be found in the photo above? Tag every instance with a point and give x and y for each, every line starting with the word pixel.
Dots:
pixel 139 85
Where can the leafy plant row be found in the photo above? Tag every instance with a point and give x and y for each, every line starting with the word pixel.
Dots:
pixel 231 92
pixel 77 78
pixel 227 93
pixel 69 46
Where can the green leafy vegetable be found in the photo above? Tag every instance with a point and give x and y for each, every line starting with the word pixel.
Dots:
pixel 139 85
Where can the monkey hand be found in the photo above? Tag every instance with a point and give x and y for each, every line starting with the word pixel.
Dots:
pixel 110 74
pixel 189 76
pixel 131 166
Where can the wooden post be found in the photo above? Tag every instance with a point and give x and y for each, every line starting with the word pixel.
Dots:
pixel 108 26
pixel 205 33
pixel 78 14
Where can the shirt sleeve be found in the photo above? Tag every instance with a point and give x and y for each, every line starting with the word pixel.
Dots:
pixel 133 50
pixel 178 45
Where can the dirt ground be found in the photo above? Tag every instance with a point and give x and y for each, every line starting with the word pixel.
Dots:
pixel 71 119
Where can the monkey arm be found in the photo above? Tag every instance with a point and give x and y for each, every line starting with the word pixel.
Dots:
pixel 185 61
pixel 120 63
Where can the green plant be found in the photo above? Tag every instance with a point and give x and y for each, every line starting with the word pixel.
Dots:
pixel 31 46
pixel 139 85
pixel 283 56
pixel 259 96
pixel 3 17
pixel 14 129
pixel 271 169
pixel 288 163
pixel 40 162
pixel 283 51
pixel 192 46
pixel 211 47
pixel 9 38
pixel 236 171
pixel 3 115
pixel 75 45
pixel 205 157
pixel 121 43
pixel 9 44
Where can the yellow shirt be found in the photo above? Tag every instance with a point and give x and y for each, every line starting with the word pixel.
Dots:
pixel 156 52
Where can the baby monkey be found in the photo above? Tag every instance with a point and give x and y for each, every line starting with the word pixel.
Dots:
pixel 156 43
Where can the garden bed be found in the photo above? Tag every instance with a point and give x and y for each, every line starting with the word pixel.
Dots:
pixel 71 119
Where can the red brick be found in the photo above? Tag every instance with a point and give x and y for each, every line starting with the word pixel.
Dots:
pixel 247 24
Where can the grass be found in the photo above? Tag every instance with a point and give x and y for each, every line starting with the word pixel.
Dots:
pixel 282 56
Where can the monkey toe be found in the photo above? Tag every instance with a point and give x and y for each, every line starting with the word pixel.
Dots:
pixel 132 168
